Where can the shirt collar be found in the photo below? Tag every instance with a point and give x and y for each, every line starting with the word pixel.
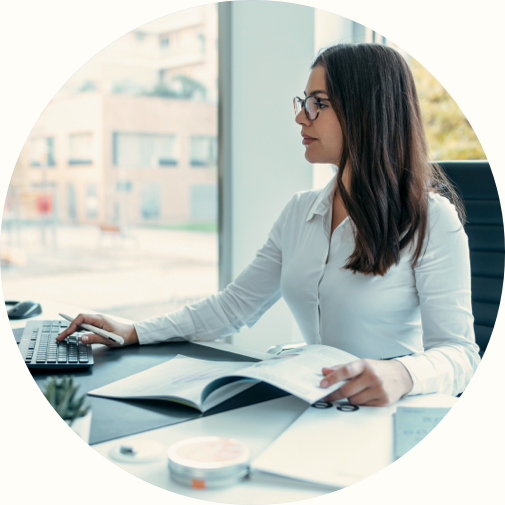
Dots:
pixel 324 200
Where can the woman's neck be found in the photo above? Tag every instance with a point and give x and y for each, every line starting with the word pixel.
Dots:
pixel 339 212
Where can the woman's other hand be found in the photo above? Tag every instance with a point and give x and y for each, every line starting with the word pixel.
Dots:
pixel 125 330
pixel 369 382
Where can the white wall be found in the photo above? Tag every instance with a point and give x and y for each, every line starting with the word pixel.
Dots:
pixel 266 49
pixel 331 29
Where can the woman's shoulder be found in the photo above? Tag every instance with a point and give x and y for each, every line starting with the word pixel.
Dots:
pixel 301 206
pixel 442 214
pixel 306 199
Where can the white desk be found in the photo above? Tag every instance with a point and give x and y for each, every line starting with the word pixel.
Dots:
pixel 257 426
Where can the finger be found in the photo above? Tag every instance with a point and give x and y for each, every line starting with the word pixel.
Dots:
pixel 331 369
pixel 75 324
pixel 367 396
pixel 375 403
pixel 343 372
pixel 92 338
pixel 64 334
pixel 352 388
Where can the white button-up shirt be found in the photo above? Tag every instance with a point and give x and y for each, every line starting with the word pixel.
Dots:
pixel 421 316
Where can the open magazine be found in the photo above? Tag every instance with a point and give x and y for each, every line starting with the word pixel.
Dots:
pixel 204 384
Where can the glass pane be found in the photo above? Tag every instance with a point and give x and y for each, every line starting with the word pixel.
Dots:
pixel 104 193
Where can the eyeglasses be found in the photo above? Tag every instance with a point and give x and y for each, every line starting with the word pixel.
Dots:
pixel 311 104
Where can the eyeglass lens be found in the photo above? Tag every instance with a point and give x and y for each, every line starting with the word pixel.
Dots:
pixel 311 107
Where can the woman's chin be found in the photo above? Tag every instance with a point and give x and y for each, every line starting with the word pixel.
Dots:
pixel 310 157
pixel 313 158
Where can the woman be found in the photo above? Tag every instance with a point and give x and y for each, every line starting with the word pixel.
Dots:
pixel 376 264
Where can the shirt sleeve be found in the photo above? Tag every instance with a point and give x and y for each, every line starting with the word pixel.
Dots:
pixel 241 303
pixel 443 283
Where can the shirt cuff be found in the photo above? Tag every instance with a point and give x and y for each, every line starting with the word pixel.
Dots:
pixel 175 327
pixel 409 362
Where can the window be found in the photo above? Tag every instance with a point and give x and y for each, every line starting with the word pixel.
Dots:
pixel 138 143
pixel 144 150
pixel 80 149
pixel 91 201
pixel 203 151
pixel 42 152
pixel 72 203
pixel 202 41
pixel 150 194
pixel 124 186
pixel 203 202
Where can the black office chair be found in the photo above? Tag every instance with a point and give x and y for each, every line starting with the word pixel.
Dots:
pixel 475 184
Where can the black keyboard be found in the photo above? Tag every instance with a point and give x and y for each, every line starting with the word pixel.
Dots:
pixel 40 349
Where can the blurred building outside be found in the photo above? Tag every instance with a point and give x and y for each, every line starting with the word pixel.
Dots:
pixel 131 137
pixel 114 194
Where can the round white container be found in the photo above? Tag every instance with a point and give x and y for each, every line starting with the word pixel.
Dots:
pixel 208 462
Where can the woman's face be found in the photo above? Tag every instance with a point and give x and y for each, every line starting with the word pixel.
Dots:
pixel 322 137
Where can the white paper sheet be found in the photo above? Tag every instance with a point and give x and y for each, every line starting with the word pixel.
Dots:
pixel 335 448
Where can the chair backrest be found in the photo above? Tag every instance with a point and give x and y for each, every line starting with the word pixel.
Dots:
pixel 475 184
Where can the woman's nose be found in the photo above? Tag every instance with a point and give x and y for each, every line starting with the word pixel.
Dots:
pixel 301 117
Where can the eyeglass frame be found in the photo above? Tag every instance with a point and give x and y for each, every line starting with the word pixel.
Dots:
pixel 303 101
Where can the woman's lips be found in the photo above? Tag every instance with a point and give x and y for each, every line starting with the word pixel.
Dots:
pixel 308 140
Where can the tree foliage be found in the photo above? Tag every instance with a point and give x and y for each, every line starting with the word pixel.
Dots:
pixel 450 135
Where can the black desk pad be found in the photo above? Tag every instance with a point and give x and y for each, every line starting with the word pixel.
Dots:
pixel 119 418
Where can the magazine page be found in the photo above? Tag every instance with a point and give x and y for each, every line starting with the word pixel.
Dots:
pixel 180 379
pixel 299 371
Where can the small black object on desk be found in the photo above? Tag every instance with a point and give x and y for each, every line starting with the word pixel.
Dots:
pixel 23 310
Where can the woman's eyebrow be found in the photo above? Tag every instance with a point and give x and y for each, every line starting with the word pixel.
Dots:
pixel 317 92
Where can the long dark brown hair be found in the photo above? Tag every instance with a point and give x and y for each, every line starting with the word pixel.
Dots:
pixel 372 90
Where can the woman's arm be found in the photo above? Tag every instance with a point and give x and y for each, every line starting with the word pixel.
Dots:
pixel 443 282
pixel 241 303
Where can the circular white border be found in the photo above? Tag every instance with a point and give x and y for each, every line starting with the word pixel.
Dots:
pixel 44 43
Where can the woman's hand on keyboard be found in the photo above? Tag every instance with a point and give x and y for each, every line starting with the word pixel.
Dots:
pixel 125 330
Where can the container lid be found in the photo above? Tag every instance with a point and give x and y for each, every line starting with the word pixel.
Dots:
pixel 210 459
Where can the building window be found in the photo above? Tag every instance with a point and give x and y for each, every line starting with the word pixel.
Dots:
pixel 91 201
pixel 124 186
pixel 144 150
pixel 203 202
pixel 42 152
pixel 72 203
pixel 80 149
pixel 202 41
pixel 150 200
pixel 164 42
pixel 203 151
